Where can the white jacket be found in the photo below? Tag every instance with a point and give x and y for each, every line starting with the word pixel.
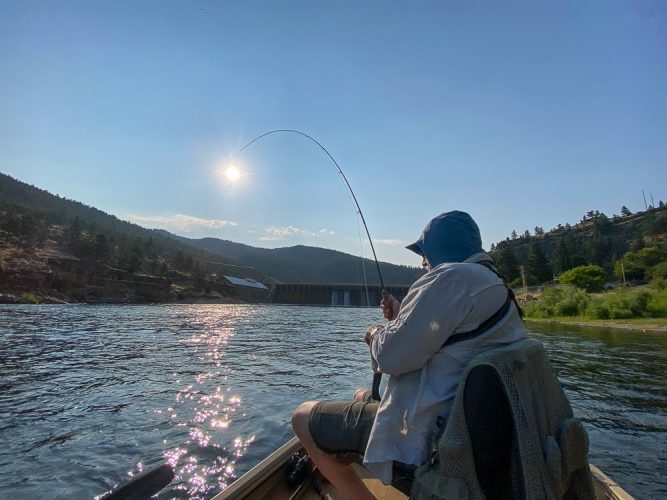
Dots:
pixel 423 376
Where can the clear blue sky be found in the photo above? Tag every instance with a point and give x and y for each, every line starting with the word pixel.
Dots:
pixel 521 113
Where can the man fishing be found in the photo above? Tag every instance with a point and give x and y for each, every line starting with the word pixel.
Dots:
pixel 459 308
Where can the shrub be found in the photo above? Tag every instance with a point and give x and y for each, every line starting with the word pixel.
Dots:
pixel 621 304
pixel 636 264
pixel 657 306
pixel 591 278
pixel 659 283
pixel 558 301
pixel 657 271
pixel 30 298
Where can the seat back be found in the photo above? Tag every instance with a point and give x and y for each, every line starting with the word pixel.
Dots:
pixel 492 433
pixel 510 434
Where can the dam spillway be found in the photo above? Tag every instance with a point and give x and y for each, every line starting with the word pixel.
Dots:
pixel 331 295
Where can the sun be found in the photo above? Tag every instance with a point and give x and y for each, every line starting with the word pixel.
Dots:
pixel 232 173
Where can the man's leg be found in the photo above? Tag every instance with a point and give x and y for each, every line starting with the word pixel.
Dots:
pixel 342 476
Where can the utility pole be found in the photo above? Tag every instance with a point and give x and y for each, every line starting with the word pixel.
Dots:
pixel 645 205
pixel 652 202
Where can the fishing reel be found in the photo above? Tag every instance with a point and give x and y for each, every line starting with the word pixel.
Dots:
pixel 298 468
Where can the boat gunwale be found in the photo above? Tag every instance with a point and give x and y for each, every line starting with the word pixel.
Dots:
pixel 249 482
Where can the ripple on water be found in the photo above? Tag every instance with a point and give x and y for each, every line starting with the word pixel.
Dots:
pixel 92 395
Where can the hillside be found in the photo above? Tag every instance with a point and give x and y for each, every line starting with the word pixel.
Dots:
pixel 66 250
pixel 303 264
pixel 596 239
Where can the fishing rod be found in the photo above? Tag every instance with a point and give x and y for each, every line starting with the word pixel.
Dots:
pixel 340 171
pixel 377 376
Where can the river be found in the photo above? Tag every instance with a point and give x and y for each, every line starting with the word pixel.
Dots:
pixel 90 395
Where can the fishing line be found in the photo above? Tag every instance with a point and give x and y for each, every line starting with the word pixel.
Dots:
pixel 340 171
pixel 363 265
pixel 377 376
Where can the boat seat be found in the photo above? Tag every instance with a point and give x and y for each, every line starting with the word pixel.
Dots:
pixel 510 434
pixel 492 434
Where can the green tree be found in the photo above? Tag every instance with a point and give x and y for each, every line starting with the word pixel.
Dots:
pixel 10 221
pixel 101 248
pixel 73 232
pixel 598 248
pixel 164 268
pixel 591 278
pixel 179 260
pixel 625 211
pixel 29 232
pixel 134 260
pixel 636 264
pixel 538 265
pixel 507 263
pixel 562 257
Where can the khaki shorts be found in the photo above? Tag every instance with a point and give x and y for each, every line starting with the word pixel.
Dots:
pixel 342 428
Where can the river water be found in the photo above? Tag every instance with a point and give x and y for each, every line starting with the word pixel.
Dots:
pixel 90 395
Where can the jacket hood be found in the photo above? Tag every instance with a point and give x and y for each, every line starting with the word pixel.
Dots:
pixel 449 237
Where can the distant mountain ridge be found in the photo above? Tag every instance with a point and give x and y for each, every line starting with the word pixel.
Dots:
pixel 305 264
pixel 159 252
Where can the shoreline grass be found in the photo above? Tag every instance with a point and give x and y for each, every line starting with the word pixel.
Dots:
pixel 628 324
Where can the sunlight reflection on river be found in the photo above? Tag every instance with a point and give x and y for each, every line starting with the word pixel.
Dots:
pixel 90 395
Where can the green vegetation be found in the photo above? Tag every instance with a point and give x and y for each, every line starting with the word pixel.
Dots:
pixel 643 302
pixel 30 298
pixel 591 278
pixel 633 242
pixel 649 262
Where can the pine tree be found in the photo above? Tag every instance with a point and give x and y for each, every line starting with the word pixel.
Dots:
pixel 507 263
pixel 625 212
pixel 562 257
pixel 538 266
pixel 73 232
pixel 135 259
pixel 102 250
pixel 598 248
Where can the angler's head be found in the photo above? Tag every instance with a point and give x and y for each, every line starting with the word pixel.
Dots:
pixel 449 237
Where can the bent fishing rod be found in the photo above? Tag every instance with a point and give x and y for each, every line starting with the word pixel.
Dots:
pixel 340 171
pixel 377 376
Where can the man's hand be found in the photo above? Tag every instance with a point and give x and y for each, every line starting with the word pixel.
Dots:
pixel 390 307
pixel 372 330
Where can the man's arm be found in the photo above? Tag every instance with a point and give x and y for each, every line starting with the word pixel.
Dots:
pixel 429 314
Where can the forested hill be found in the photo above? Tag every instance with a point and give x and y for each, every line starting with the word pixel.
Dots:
pixel 72 244
pixel 42 235
pixel 35 217
pixel 303 264
pixel 595 240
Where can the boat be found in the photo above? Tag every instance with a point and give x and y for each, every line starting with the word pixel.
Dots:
pixel 267 480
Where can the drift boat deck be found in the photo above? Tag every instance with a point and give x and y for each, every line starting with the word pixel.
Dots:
pixel 267 480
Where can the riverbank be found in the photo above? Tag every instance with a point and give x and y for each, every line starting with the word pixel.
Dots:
pixel 30 298
pixel 655 325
